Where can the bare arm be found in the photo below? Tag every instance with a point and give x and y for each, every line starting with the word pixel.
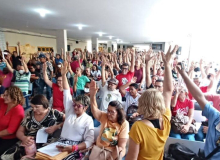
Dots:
pixel 167 89
pixel 148 60
pixel 103 72
pixel 19 48
pixel 7 46
pixel 4 133
pixel 211 84
pixel 202 69
pixel 94 107
pixel 64 78
pixel 62 54
pixel 132 60
pixel 20 133
pixel 24 64
pixel 122 89
pixel 174 100
pixel 133 150
pixel 190 115
pixel 121 147
pixel 8 66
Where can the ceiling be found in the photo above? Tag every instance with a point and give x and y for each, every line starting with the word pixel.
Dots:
pixel 132 21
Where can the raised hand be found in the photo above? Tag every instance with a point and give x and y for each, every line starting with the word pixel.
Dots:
pixel 18 43
pixel 93 88
pixel 166 58
pixel 133 80
pixel 64 69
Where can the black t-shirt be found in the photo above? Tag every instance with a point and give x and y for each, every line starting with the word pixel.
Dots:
pixel 16 61
pixel 151 86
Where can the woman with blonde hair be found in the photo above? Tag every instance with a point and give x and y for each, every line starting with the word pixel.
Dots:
pixel 147 137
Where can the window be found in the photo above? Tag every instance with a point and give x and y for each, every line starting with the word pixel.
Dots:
pixel 44 49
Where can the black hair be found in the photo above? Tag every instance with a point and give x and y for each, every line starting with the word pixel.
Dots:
pixel 125 64
pixel 159 80
pixel 96 67
pixel 120 111
pixel 135 85
pixel 40 100
pixel 58 75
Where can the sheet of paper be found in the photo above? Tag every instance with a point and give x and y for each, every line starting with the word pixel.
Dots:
pixel 51 149
pixel 41 136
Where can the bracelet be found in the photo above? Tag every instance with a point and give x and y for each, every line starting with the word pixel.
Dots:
pixel 74 148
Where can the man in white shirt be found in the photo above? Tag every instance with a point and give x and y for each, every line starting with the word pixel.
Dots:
pixel 109 93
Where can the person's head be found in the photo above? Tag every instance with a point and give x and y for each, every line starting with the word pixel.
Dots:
pixel 39 104
pixel 137 62
pixel 59 65
pixel 32 68
pixel 112 84
pixel 78 71
pixel 42 58
pixel 6 70
pixel 151 104
pixel 21 70
pixel 59 80
pixel 154 79
pixel 115 112
pixel 58 56
pixel 75 58
pixel 94 67
pixel 18 67
pixel 159 72
pixel 183 93
pixel 81 103
pixel 197 81
pixel 87 71
pixel 133 89
pixel 13 95
pixel 159 85
pixel 125 68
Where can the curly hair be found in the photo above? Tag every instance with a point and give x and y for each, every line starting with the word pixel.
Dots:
pixel 151 104
pixel 15 94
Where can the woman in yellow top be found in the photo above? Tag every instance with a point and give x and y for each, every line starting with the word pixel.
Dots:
pixel 147 138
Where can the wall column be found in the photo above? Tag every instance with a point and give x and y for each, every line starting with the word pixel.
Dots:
pixel 95 44
pixel 109 45
pixel 61 40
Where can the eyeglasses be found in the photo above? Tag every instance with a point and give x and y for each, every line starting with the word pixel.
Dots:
pixel 124 68
pixel 111 84
pixel 59 80
pixel 111 112
pixel 77 105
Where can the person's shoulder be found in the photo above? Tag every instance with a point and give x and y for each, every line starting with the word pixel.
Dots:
pixel 19 110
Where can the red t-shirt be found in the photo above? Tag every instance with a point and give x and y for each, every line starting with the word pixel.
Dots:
pixel 58 97
pixel 6 79
pixel 124 78
pixel 182 107
pixel 204 89
pixel 75 64
pixel 215 98
pixel 11 121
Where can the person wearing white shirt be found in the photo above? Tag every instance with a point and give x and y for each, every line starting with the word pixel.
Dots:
pixel 78 128
pixel 95 72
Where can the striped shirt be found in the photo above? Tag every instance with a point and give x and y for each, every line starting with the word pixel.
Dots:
pixel 22 81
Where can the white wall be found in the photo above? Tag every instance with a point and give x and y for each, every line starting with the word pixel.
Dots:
pixel 38 41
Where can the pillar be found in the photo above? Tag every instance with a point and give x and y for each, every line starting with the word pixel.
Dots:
pixel 61 39
pixel 2 41
pixel 121 46
pixel 109 46
pixel 115 48
pixel 94 44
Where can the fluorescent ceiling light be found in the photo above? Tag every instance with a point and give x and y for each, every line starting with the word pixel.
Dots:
pixel 110 37
pixel 42 12
pixel 80 27
pixel 100 34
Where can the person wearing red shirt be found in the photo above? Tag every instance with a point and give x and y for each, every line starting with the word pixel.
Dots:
pixel 181 105
pixel 11 115
pixel 57 90
pixel 76 62
pixel 126 75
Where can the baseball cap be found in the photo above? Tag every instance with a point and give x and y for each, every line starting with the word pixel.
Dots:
pixel 42 55
pixel 113 80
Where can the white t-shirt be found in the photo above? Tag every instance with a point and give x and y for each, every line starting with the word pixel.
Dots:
pixel 108 96
pixel 76 129
pixel 96 74
pixel 130 100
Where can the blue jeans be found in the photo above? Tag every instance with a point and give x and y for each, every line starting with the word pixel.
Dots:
pixel 41 89
pixel 187 136
pixel 200 136
pixel 79 92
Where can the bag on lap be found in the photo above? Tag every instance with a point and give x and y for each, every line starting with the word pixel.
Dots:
pixel 133 109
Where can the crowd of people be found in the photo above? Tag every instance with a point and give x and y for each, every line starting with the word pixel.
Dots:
pixel 134 98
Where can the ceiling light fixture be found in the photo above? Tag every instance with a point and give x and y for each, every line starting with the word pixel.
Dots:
pixel 110 37
pixel 80 27
pixel 100 34
pixel 42 12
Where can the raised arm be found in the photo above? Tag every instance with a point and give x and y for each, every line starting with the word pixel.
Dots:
pixel 19 48
pixel 62 55
pixel 193 89
pixel 94 107
pixel 8 66
pixel 26 70
pixel 148 59
pixel 103 71
pixel 174 100
pixel 122 89
pixel 46 79
pixel 7 46
pixel 132 60
pixel 168 87
pixel 202 69
pixel 64 70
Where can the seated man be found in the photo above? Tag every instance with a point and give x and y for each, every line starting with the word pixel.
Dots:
pixel 22 76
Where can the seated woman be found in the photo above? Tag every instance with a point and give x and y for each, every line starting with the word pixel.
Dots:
pixel 181 105
pixel 78 128
pixel 38 117
pixel 96 73
pixel 87 73
pixel 148 136
pixel 10 106
pixel 114 128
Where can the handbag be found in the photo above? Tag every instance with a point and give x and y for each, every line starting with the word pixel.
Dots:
pixel 98 153
pixel 180 152
pixel 179 120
